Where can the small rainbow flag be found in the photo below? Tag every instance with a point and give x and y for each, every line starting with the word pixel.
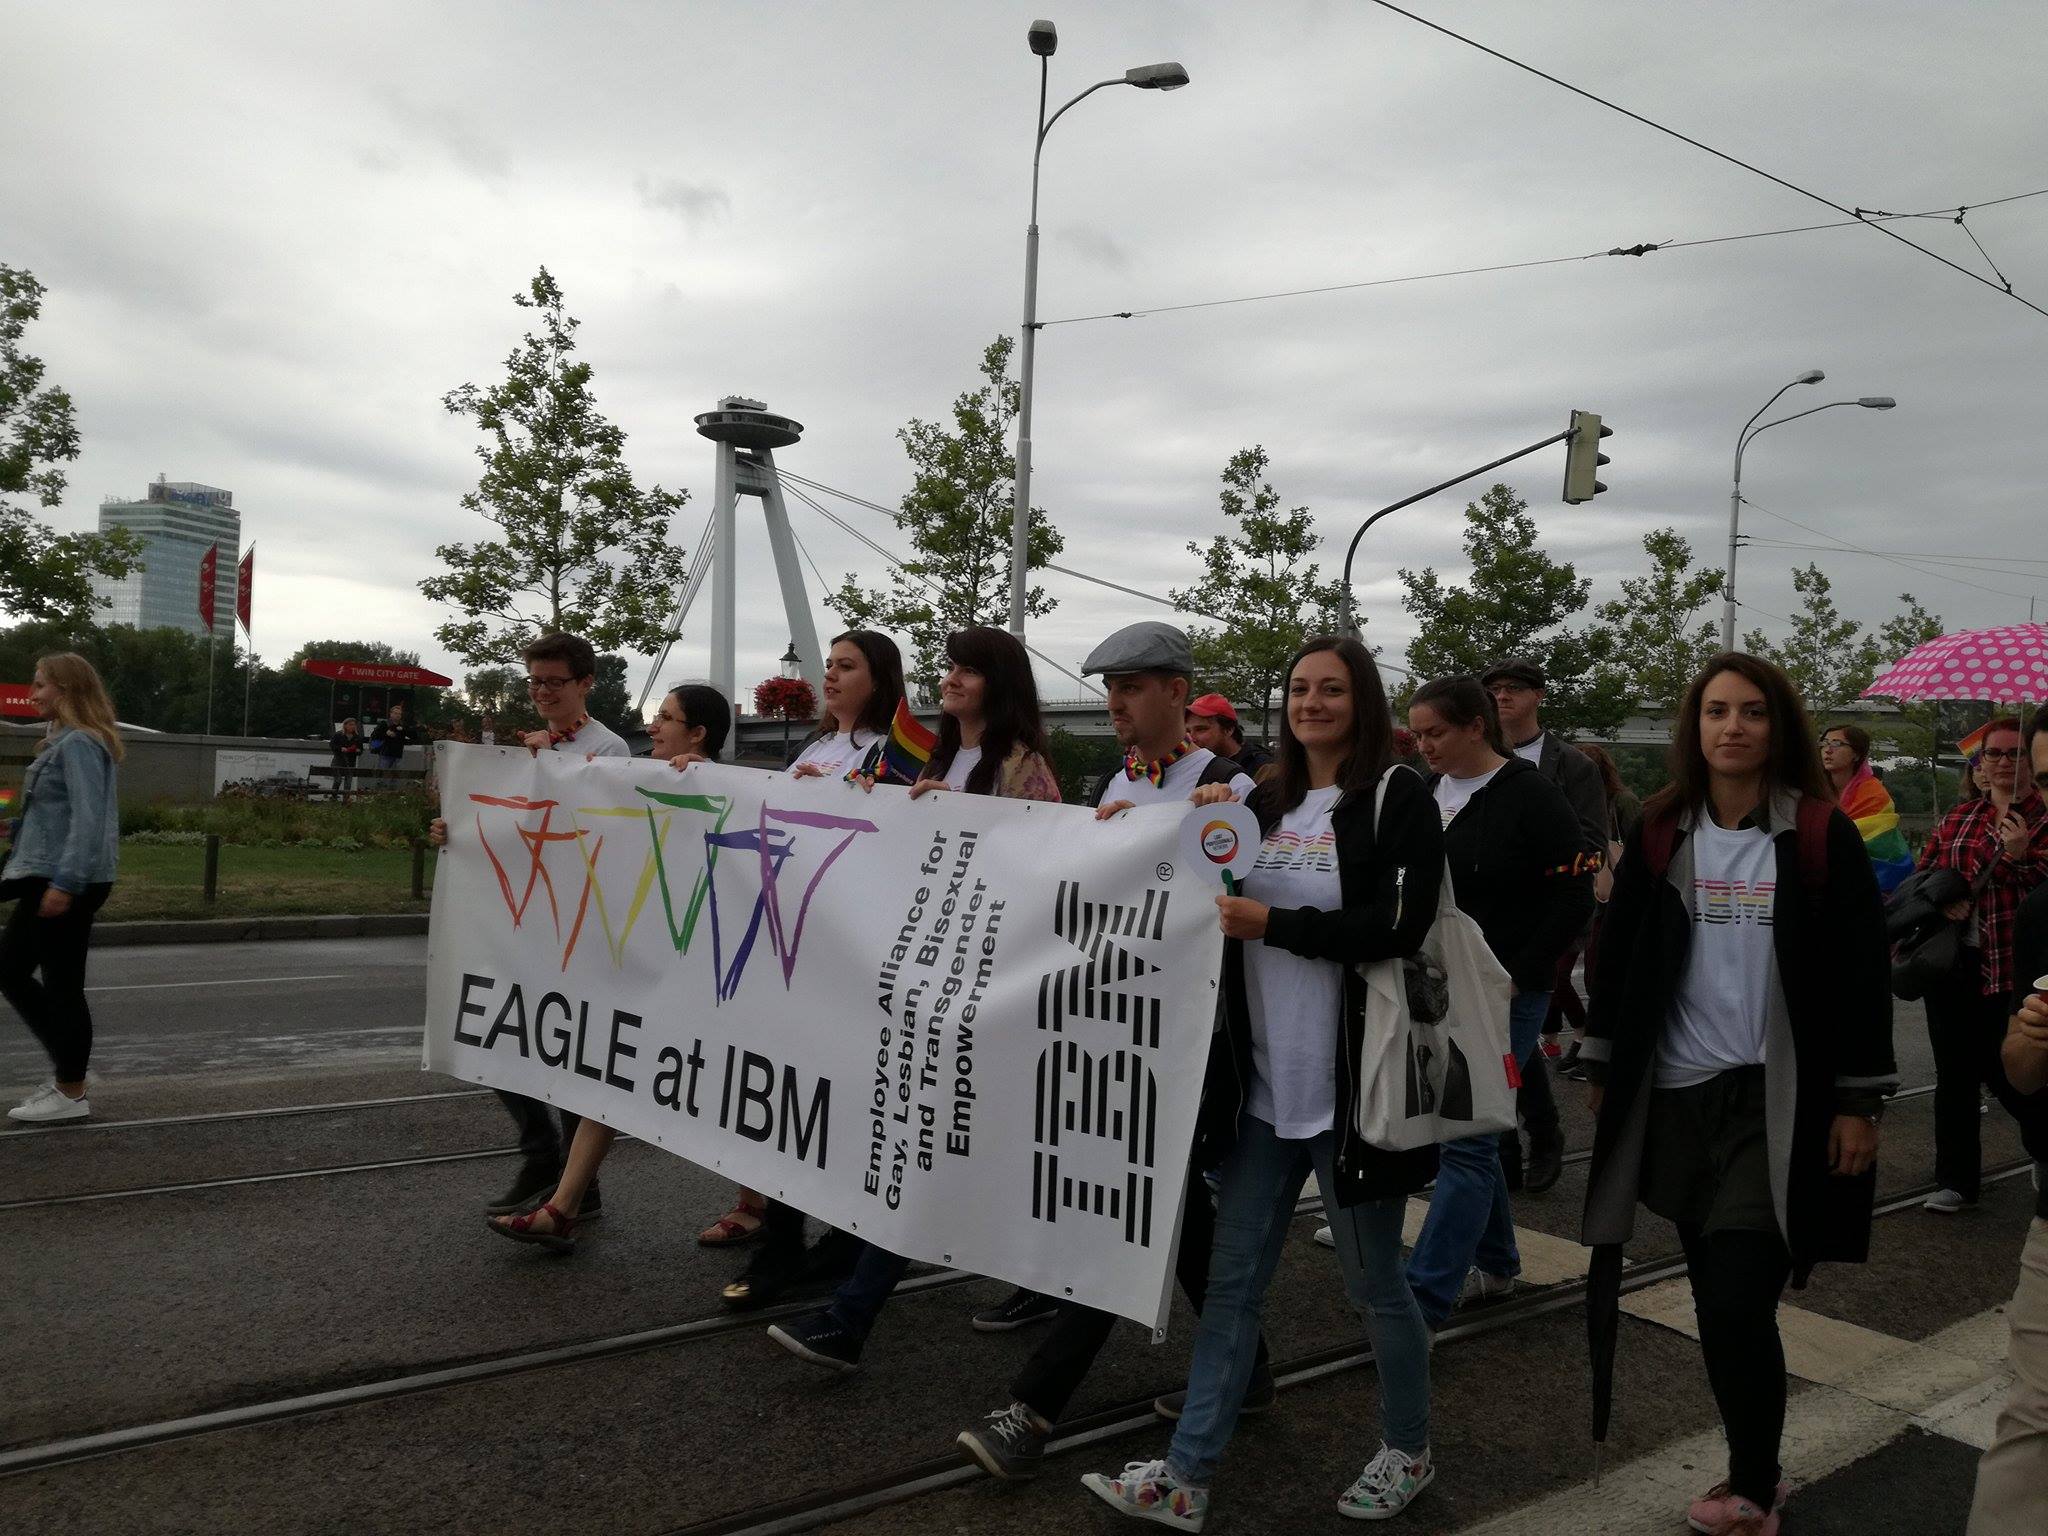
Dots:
pixel 900 757
pixel 1973 743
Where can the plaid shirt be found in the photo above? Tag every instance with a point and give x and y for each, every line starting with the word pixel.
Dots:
pixel 1967 842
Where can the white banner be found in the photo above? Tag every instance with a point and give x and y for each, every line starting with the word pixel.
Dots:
pixel 971 1030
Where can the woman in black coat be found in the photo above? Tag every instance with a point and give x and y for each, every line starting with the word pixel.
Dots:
pixel 1739 1045
pixel 1329 889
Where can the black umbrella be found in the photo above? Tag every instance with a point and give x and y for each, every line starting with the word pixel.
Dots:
pixel 1603 1326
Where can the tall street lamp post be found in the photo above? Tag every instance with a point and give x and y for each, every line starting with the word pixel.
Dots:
pixel 1044 40
pixel 1742 441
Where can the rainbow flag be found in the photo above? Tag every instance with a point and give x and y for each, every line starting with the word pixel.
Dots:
pixel 900 756
pixel 1868 803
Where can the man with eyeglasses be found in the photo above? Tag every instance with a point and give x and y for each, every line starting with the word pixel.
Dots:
pixel 560 672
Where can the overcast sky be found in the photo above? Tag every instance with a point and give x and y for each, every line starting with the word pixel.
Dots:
pixel 275 236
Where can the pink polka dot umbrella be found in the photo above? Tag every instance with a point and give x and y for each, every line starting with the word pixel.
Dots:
pixel 2008 664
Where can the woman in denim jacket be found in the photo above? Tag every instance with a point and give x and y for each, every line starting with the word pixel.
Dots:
pixel 58 874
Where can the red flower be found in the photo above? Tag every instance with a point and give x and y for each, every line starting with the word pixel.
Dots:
pixel 785 698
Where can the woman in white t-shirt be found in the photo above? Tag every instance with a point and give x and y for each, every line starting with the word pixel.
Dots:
pixel 1333 886
pixel 1739 1047
pixel 863 686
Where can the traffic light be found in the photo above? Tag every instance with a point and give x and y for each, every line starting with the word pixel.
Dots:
pixel 1583 458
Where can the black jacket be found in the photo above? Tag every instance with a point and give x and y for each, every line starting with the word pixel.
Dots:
pixel 1390 887
pixel 1573 772
pixel 1835 977
pixel 1520 870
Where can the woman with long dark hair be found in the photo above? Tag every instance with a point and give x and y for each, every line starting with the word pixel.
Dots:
pixel 1518 869
pixel 690 726
pixel 991 737
pixel 1739 1046
pixel 1624 810
pixel 1333 886
pixel 59 871
pixel 1997 841
pixel 991 742
pixel 863 686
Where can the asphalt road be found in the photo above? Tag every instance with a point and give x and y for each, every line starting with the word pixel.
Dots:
pixel 352 1251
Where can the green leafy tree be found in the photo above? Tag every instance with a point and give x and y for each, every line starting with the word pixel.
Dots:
pixel 1823 654
pixel 959 514
pixel 500 692
pixel 43 574
pixel 157 677
pixel 610 700
pixel 1516 602
pixel 1263 578
pixel 1657 641
pixel 579 546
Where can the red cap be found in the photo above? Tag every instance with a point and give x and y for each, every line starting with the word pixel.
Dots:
pixel 1214 706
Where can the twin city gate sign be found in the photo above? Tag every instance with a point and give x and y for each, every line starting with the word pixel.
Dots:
pixel 972 1031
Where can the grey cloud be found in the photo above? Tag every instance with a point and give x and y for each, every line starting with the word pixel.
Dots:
pixel 1094 247
pixel 694 202
pixel 455 133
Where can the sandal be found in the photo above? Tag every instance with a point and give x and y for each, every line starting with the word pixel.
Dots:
pixel 520 1228
pixel 742 1224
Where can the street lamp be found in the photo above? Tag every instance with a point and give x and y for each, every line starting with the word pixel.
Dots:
pixel 1742 441
pixel 1044 40
pixel 792 668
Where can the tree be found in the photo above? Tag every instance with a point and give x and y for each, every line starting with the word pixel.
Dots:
pixel 610 700
pixel 1262 579
pixel 43 574
pixel 581 547
pixel 1821 655
pixel 1515 603
pixel 1918 733
pixel 959 514
pixel 1657 648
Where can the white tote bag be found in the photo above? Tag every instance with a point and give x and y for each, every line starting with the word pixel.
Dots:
pixel 1450 1072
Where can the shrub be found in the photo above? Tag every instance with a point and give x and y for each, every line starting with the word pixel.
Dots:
pixel 369 821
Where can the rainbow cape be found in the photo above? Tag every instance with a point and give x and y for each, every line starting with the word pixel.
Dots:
pixel 1868 803
pixel 900 756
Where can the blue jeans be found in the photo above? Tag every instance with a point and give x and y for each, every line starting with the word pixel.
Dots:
pixel 1470 1221
pixel 862 1294
pixel 1262 1177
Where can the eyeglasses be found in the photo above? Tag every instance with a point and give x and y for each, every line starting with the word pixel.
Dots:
pixel 548 684
pixel 2001 754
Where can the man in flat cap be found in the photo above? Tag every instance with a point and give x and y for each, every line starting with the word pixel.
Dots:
pixel 1148 671
pixel 1213 723
pixel 1517 685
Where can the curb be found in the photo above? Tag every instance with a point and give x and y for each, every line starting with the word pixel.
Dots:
pixel 247 930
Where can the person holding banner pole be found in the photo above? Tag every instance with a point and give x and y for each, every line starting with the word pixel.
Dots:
pixel 991 742
pixel 1521 871
pixel 690 727
pixel 560 672
pixel 863 687
pixel 1335 883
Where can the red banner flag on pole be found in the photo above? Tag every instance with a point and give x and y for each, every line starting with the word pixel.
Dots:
pixel 209 569
pixel 245 585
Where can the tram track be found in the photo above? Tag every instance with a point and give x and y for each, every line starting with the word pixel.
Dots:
pixel 839 1503
pixel 218 1116
pixel 39 1202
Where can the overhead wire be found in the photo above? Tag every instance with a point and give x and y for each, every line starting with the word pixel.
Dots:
pixel 1755 170
pixel 1642 248
pixel 1984 564
pixel 1903 564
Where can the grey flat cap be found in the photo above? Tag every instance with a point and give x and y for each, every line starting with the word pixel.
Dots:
pixel 1147 646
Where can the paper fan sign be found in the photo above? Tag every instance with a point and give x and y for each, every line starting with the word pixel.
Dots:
pixel 2002 665
pixel 1222 841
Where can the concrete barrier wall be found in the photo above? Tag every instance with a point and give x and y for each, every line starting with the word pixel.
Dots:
pixel 186 768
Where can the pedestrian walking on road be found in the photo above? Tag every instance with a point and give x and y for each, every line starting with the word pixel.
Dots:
pixel 690 727
pixel 560 672
pixel 991 742
pixel 1998 843
pixel 60 868
pixel 1520 871
pixel 1739 1047
pixel 1333 886
pixel 863 687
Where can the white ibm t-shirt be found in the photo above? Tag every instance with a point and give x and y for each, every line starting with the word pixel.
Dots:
pixel 1177 783
pixel 1719 1013
pixel 838 753
pixel 1295 1002
pixel 1453 795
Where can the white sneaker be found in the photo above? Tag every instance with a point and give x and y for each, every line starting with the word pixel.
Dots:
pixel 1946 1202
pixel 1388 1484
pixel 1146 1491
pixel 1326 1236
pixel 46 1106
pixel 1480 1286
